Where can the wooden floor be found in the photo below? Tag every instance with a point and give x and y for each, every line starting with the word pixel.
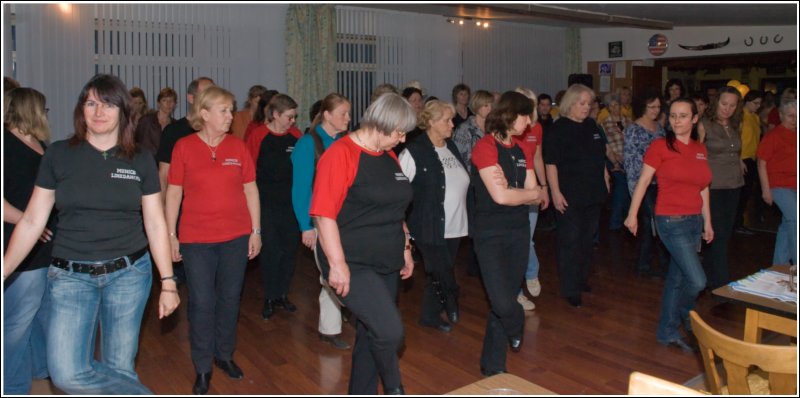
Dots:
pixel 589 350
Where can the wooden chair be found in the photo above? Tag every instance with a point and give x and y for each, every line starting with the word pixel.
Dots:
pixel 642 384
pixel 779 363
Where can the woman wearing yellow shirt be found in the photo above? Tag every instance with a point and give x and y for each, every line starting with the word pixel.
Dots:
pixel 751 136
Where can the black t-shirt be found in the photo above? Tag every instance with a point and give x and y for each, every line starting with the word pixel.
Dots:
pixel 274 170
pixel 578 150
pixel 99 199
pixel 457 119
pixel 21 164
pixel 489 215
pixel 172 133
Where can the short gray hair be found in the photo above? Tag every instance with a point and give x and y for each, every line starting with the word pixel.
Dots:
pixel 787 105
pixel 389 113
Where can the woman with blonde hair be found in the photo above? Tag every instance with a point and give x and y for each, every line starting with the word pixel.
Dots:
pixel 438 216
pixel 212 181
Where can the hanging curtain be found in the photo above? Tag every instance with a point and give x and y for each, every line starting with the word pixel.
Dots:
pixel 310 54
pixel 573 51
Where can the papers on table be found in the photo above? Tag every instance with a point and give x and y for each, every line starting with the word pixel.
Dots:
pixel 766 283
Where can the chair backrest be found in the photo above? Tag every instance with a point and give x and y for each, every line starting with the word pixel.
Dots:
pixel 780 362
pixel 642 384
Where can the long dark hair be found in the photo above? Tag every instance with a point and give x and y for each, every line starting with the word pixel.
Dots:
pixel 111 90
pixel 670 134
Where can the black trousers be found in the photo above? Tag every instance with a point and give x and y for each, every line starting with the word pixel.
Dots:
pixel 574 235
pixel 279 237
pixel 214 276
pixel 503 258
pixel 379 331
pixel 750 191
pixel 723 212
pixel 647 241
pixel 441 288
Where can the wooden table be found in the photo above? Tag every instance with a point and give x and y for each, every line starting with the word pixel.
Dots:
pixel 502 384
pixel 762 312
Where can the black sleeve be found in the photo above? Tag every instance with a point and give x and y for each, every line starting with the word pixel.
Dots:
pixel 551 145
pixel 168 140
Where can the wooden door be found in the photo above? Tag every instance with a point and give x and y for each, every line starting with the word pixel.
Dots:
pixel 646 78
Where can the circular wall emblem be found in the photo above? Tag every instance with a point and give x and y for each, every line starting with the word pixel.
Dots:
pixel 658 44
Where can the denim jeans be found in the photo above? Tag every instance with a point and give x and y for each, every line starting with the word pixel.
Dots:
pixel 685 277
pixel 532 272
pixel 22 299
pixel 620 200
pixel 786 241
pixel 78 302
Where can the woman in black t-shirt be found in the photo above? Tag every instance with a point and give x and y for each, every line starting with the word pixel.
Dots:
pixel 500 227
pixel 359 202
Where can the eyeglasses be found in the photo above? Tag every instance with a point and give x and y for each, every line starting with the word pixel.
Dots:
pixel 653 106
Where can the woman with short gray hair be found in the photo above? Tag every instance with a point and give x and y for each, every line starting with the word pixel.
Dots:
pixel 359 205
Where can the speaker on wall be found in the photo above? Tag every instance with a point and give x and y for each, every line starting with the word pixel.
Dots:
pixel 580 78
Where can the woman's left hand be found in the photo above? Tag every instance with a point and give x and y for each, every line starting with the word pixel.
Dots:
pixel 168 301
pixel 545 198
pixel 254 246
pixel 743 167
pixel 408 267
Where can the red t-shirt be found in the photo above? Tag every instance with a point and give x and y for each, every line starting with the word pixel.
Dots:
pixel 484 154
pixel 779 150
pixel 774 116
pixel 530 139
pixel 214 204
pixel 256 133
pixel 681 176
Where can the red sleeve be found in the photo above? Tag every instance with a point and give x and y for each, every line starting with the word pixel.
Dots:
pixel 249 129
pixel 484 154
pixel 254 138
pixel 766 147
pixel 176 166
pixel 248 165
pixel 335 173
pixel 774 117
pixel 654 154
pixel 295 132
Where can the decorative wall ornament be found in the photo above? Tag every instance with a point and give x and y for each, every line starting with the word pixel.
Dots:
pixel 658 44
pixel 763 40
pixel 750 42
pixel 708 46
pixel 778 38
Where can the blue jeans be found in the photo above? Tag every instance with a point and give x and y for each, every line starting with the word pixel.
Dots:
pixel 532 272
pixel 620 200
pixel 22 299
pixel 78 302
pixel 685 277
pixel 786 241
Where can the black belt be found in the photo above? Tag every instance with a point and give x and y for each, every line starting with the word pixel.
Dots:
pixel 98 268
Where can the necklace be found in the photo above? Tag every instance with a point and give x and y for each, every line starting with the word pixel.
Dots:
pixel 363 144
pixel 213 149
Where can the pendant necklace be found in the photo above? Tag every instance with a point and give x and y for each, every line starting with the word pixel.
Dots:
pixel 213 149
pixel 363 144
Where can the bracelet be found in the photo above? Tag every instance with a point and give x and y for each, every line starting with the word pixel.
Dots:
pixel 169 278
pixel 172 235
pixel 168 291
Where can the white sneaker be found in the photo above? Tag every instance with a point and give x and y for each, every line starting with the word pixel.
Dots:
pixel 534 287
pixel 527 305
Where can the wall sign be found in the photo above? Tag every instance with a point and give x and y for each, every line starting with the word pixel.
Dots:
pixel 615 49
pixel 658 44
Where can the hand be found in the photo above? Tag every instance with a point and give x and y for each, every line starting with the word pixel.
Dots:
pixel 559 202
pixel 176 249
pixel 708 233
pixel 47 235
pixel 408 267
pixel 766 194
pixel 499 177
pixel 545 199
pixel 309 238
pixel 168 300
pixel 743 167
pixel 339 279
pixel 254 246
pixel 632 223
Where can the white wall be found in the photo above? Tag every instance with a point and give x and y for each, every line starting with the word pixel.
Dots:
pixel 594 41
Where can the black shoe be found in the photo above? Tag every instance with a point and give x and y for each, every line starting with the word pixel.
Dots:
pixel 395 391
pixel 575 301
pixel 687 347
pixel 200 386
pixel 286 304
pixel 490 373
pixel 744 231
pixel 440 325
pixel 452 316
pixel 334 340
pixel 515 343
pixel 269 309
pixel 230 368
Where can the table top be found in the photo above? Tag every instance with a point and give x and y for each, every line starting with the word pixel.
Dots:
pixel 502 384
pixel 765 304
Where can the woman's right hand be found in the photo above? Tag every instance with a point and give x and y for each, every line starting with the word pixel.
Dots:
pixel 47 235
pixel 766 194
pixel 339 279
pixel 309 238
pixel 176 249
pixel 559 202
pixel 632 223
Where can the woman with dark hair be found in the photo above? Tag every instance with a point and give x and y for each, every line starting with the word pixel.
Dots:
pixel 259 116
pixel 438 216
pixel 574 156
pixel 414 97
pixel 271 146
pixel 673 90
pixel 101 270
pixel 150 127
pixel 720 131
pixel 501 227
pixel 638 137
pixel 329 122
pixel 138 105
pixel 24 316
pixel 461 96
pixel 212 181
pixel 682 217
pixel 359 206
pixel 243 118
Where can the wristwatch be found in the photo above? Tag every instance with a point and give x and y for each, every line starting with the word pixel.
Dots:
pixel 257 231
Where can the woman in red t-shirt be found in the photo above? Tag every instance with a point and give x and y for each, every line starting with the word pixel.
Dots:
pixel 220 229
pixel 682 214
